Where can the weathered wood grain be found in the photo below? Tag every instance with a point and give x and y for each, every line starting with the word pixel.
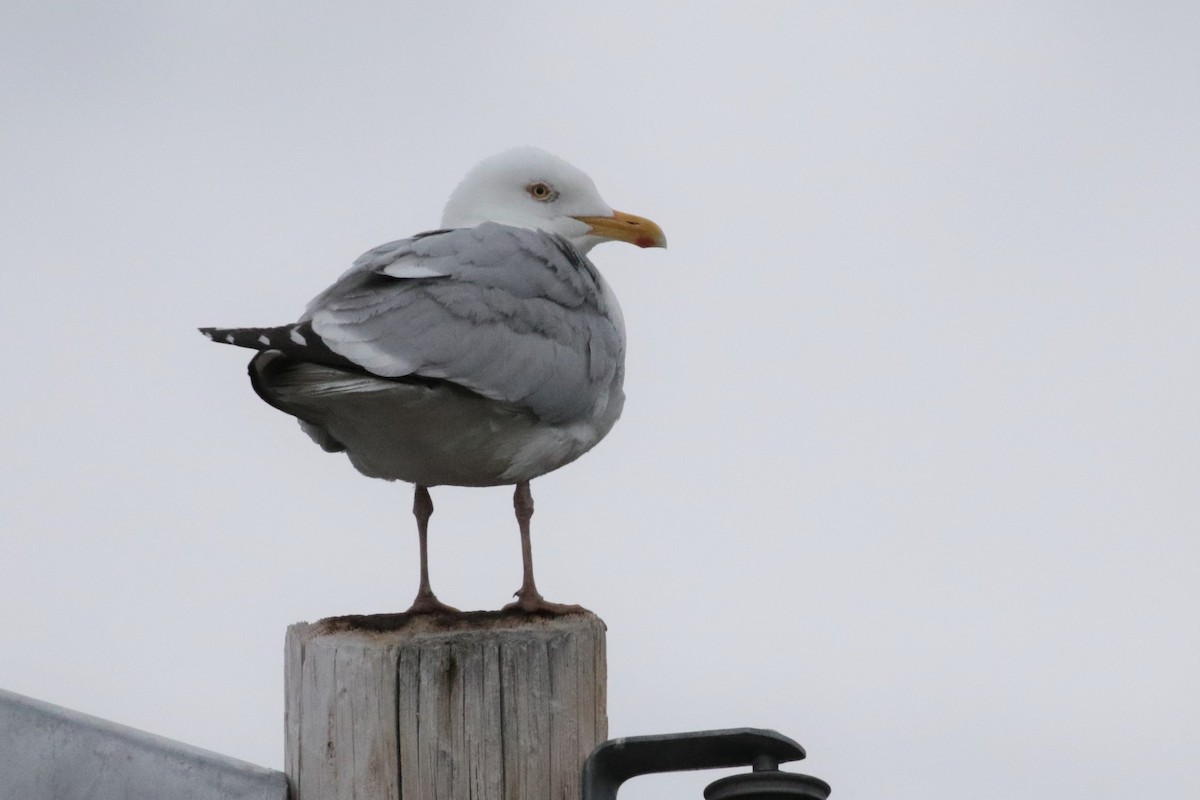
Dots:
pixel 481 706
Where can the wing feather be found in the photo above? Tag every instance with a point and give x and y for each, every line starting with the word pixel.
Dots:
pixel 512 314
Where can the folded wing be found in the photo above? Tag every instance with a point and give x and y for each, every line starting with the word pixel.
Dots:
pixel 512 314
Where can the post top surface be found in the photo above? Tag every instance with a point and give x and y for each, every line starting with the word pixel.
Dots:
pixel 406 625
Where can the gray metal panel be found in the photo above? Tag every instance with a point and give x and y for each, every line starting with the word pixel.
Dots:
pixel 52 753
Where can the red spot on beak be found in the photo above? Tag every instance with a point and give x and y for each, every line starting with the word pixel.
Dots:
pixel 644 241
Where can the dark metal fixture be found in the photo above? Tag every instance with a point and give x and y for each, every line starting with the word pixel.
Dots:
pixel 617 760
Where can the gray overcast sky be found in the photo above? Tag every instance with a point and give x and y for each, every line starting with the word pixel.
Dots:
pixel 909 464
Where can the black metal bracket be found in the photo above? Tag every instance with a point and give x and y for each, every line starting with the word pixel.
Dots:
pixel 617 760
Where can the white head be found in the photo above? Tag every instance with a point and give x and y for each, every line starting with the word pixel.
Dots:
pixel 530 188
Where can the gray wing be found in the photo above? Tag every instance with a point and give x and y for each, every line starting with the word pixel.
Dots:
pixel 512 314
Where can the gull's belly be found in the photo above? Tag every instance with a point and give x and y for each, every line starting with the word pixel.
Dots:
pixel 436 434
pixel 447 449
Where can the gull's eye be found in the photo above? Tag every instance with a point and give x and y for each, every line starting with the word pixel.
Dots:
pixel 541 191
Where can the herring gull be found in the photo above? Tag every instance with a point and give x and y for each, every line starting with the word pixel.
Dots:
pixel 488 352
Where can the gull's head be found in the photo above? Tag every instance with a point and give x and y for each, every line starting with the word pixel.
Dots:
pixel 530 188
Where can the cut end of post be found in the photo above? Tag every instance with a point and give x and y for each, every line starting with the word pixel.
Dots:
pixel 439 622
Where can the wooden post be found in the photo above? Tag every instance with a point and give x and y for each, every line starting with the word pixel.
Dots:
pixel 477 706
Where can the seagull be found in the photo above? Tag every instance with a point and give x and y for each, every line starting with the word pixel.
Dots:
pixel 488 352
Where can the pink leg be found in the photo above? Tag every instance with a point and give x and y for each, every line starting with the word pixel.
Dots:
pixel 528 597
pixel 426 602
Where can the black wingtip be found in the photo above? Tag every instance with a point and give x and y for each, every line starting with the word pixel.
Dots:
pixel 297 341
pixel 254 338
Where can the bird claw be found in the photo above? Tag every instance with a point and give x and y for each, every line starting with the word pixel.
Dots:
pixel 429 604
pixel 534 603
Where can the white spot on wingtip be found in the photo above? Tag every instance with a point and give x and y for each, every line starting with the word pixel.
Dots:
pixel 298 337
pixel 263 340
pixel 208 334
pixel 229 338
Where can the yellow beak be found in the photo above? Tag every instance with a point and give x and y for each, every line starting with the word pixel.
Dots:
pixel 627 228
